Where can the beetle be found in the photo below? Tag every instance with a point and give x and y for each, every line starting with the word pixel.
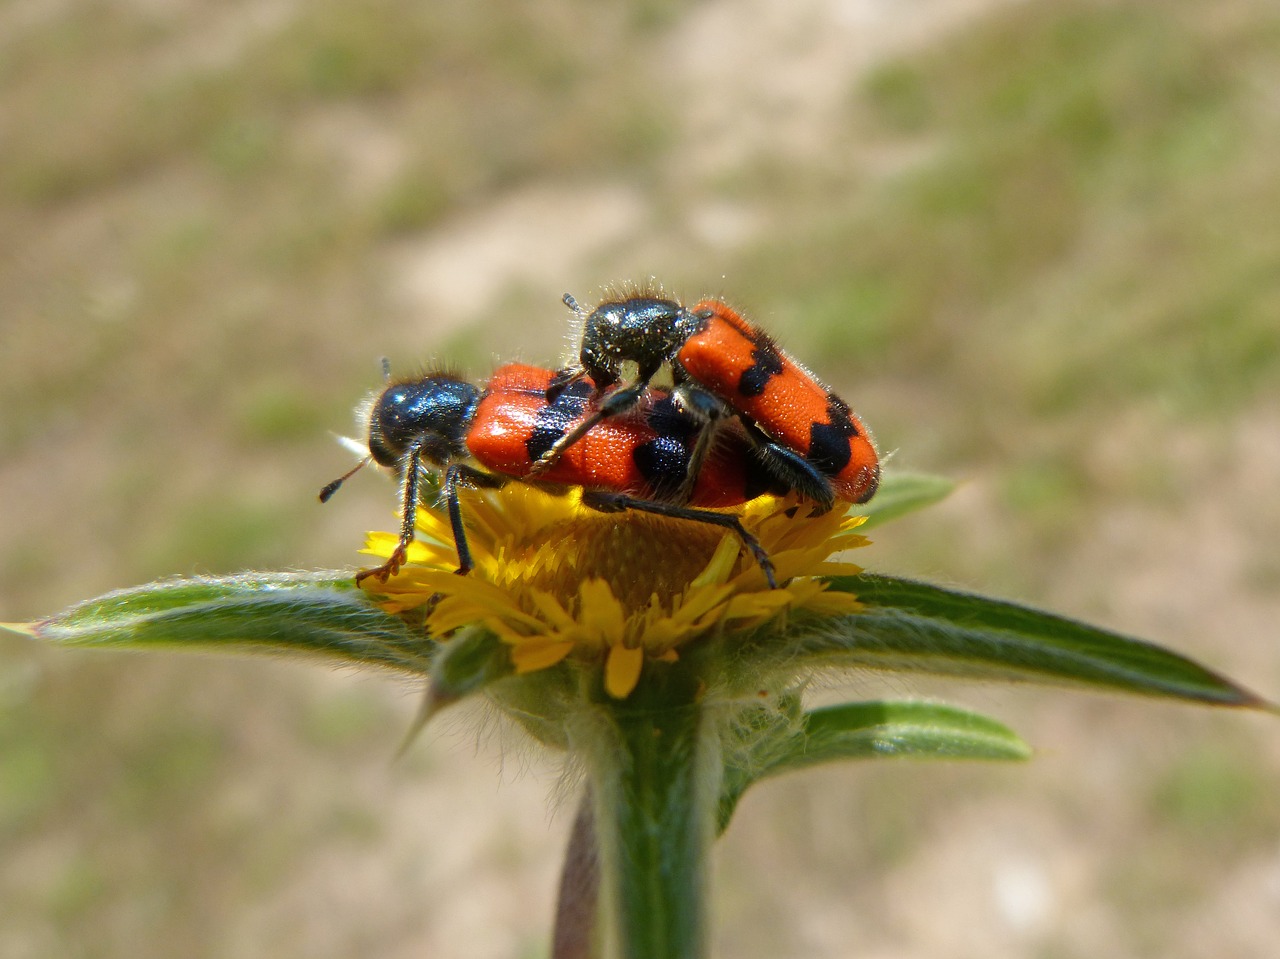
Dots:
pixel 484 438
pixel 723 366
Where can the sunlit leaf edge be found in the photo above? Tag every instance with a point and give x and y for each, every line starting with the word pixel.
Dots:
pixel 903 493
pixel 871 730
pixel 908 625
pixel 318 614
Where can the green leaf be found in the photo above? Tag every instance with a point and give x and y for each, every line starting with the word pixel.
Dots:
pixel 909 625
pixel 310 613
pixel 540 701
pixel 872 730
pixel 902 493
pixel 468 662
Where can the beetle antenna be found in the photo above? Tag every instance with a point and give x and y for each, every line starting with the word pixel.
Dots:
pixel 572 304
pixel 332 488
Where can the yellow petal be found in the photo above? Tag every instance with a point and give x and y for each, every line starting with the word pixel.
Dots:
pixel 664 634
pixel 451 613
pixel 379 544
pixel 622 670
pixel 720 567
pixel 530 586
pixel 486 598
pixel 532 655
pixel 758 605
pixel 549 608
pixel 833 603
pixel 600 612
pixel 699 602
pixel 830 568
pixel 434 527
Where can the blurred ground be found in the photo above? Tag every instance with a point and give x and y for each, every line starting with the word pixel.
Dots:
pixel 1036 244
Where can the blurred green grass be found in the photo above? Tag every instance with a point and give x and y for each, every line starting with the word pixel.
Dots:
pixel 1111 152
pixel 1040 252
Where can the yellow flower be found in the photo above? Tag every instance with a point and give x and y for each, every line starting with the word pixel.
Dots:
pixel 553 578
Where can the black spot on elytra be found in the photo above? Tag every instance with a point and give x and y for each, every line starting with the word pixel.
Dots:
pixel 664 460
pixel 829 448
pixel 664 463
pixel 766 363
pixel 556 418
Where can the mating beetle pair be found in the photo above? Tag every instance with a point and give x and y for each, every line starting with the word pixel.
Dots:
pixel 743 419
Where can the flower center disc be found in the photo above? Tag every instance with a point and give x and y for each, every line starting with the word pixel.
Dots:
pixel 638 555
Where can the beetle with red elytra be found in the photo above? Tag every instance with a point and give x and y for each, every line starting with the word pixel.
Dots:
pixel 641 460
pixel 723 367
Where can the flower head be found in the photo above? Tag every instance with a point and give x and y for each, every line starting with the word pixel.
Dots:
pixel 555 579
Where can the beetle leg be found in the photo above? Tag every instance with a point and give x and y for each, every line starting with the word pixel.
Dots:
pixel 607 502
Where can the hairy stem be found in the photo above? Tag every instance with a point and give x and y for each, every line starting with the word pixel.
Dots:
pixel 655 783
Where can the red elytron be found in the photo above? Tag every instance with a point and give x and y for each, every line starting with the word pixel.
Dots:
pixel 642 461
pixel 646 455
pixel 805 435
pixel 743 366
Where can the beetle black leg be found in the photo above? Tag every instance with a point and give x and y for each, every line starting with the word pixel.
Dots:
pixel 607 502
pixel 616 402
pixel 562 381
pixel 707 411
pixel 457 476
pixel 409 476
pixel 792 469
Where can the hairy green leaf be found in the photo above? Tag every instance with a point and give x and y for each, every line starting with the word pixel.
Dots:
pixel 468 662
pixel 871 730
pixel 908 625
pixel 902 493
pixel 312 613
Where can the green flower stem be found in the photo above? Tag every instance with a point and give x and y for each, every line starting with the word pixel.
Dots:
pixel 655 773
